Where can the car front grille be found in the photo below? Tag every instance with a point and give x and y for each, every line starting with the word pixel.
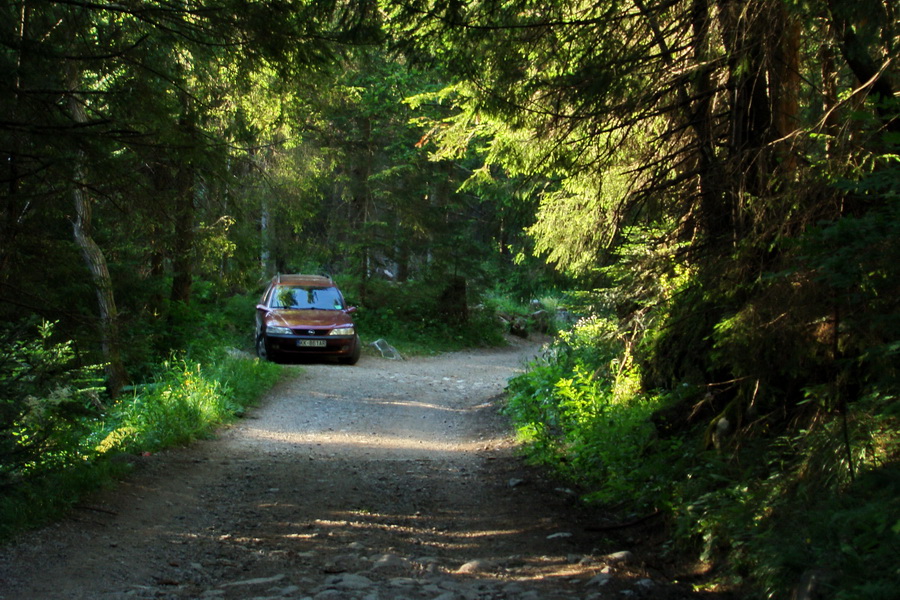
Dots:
pixel 310 332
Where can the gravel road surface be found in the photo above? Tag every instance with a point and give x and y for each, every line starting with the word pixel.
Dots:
pixel 388 480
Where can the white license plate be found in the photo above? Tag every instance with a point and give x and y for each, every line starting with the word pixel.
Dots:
pixel 311 343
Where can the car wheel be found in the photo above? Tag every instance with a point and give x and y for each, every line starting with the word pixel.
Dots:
pixel 261 350
pixel 353 358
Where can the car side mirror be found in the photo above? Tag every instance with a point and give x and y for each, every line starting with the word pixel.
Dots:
pixel 351 309
pixel 262 307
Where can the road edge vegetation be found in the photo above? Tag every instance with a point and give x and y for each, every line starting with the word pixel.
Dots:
pixel 66 437
pixel 763 505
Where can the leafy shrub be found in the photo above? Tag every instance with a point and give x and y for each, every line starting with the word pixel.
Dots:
pixel 579 408
pixel 58 431
pixel 185 402
pixel 767 504
pixel 46 402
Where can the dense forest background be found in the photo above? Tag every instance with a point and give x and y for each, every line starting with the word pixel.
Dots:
pixel 711 186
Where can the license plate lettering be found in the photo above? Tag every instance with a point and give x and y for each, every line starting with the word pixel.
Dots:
pixel 311 343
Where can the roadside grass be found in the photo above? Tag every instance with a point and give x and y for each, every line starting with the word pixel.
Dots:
pixel 76 444
pixel 187 401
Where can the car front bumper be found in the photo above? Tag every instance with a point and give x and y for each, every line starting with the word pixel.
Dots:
pixel 333 345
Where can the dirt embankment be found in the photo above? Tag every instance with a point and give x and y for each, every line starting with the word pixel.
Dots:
pixel 387 480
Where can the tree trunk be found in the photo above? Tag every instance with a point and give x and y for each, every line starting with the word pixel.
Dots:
pixel 785 87
pixel 93 256
pixel 714 218
pixel 714 215
pixel 831 121
pixel 183 247
pixel 182 259
pixel 10 216
pixel 361 202
pixel 265 254
pixel 745 26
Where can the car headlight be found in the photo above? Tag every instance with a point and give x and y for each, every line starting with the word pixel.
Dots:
pixel 342 331
pixel 278 330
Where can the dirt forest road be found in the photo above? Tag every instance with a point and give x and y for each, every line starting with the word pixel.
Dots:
pixel 388 480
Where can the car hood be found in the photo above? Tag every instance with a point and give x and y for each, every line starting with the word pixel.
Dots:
pixel 309 318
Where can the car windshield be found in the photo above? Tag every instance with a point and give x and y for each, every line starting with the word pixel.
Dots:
pixel 327 298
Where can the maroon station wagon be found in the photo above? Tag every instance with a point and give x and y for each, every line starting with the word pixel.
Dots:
pixel 305 315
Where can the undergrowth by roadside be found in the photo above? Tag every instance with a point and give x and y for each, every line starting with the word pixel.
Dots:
pixel 763 513
pixel 63 438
